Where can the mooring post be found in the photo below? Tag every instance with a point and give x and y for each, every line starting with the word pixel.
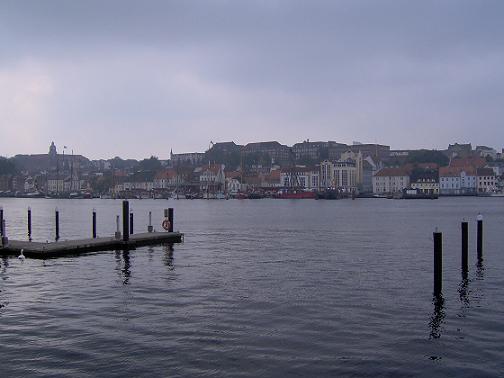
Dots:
pixel 117 233
pixel 149 227
pixel 465 246
pixel 57 224
pixel 125 221
pixel 94 223
pixel 131 222
pixel 438 262
pixel 479 246
pixel 4 238
pixel 29 224
pixel 170 219
pixel 1 220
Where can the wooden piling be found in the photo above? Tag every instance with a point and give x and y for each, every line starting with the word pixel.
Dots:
pixel 149 227
pixel 465 246
pixel 479 242
pixel 125 216
pixel 131 223
pixel 438 262
pixel 94 224
pixel 1 220
pixel 117 233
pixel 56 219
pixel 170 219
pixel 4 239
pixel 29 224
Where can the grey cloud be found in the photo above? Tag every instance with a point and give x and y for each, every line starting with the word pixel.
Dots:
pixel 388 71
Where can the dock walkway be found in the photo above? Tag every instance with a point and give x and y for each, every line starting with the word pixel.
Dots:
pixel 75 247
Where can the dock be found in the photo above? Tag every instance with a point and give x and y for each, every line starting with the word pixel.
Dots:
pixel 76 247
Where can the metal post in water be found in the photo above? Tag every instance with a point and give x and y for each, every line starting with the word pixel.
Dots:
pixel 1 220
pixel 57 224
pixel 438 262
pixel 465 246
pixel 479 246
pixel 94 224
pixel 125 216
pixel 29 224
pixel 149 227
pixel 170 219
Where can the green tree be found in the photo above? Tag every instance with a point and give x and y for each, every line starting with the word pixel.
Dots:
pixel 428 156
pixel 152 164
pixel 7 166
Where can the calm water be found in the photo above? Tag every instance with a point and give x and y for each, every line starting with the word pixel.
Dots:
pixel 259 288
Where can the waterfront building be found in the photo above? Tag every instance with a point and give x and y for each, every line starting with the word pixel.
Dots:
pixel 55 184
pixel 300 177
pixel 425 181
pixel 341 175
pixel 355 157
pixel 212 177
pixel 139 181
pixel 345 176
pixel 487 182
pixel 391 180
pixel 167 179
pixel 457 180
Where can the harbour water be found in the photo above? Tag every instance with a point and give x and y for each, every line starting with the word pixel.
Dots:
pixel 259 288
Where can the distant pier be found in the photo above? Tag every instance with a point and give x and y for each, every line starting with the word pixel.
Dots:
pixel 75 247
pixel 126 240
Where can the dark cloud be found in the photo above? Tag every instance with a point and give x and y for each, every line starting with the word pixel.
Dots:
pixel 162 74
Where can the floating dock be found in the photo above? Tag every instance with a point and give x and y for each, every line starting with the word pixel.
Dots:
pixel 76 247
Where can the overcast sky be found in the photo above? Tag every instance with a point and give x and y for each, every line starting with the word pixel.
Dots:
pixel 136 78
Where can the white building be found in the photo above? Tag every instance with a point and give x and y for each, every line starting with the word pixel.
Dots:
pixel 457 180
pixel 391 180
pixel 300 177
pixel 212 177
pixel 487 182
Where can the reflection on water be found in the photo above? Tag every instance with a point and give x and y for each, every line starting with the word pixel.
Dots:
pixel 463 290
pixel 480 270
pixel 437 318
pixel 123 265
pixel 168 256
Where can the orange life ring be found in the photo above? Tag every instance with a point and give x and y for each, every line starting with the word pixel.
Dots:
pixel 166 224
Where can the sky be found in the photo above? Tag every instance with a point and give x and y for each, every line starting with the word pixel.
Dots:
pixel 139 78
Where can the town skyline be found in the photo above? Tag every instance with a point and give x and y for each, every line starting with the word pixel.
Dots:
pixel 165 155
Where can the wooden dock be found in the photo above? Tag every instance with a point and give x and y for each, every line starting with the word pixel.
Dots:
pixel 76 247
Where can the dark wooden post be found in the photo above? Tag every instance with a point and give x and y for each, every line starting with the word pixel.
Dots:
pixel 56 218
pixel 465 246
pixel 1 221
pixel 4 239
pixel 438 262
pixel 170 219
pixel 94 224
pixel 149 227
pixel 131 223
pixel 29 224
pixel 479 246
pixel 125 221
pixel 117 233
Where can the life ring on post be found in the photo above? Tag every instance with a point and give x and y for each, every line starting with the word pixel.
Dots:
pixel 166 224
